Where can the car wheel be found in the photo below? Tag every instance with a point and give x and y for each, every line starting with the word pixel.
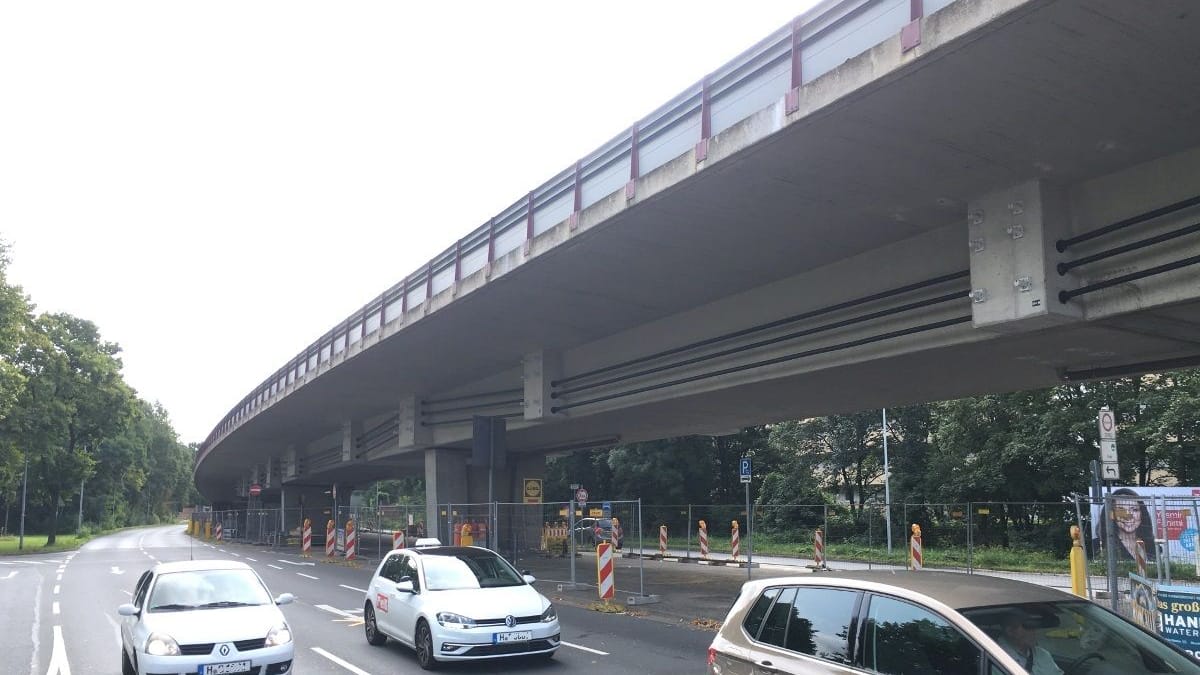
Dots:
pixel 371 628
pixel 424 644
pixel 126 666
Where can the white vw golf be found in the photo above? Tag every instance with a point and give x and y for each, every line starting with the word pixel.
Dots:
pixel 209 617
pixel 452 603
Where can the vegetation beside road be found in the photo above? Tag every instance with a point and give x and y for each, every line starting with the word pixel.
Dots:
pixel 36 543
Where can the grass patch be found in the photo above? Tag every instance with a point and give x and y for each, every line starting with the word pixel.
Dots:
pixel 981 557
pixel 36 543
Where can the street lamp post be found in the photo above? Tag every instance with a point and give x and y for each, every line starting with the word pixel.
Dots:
pixel 24 492
pixel 887 488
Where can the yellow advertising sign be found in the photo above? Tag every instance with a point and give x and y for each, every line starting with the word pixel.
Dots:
pixel 595 513
pixel 533 490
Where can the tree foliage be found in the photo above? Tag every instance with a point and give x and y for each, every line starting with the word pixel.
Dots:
pixel 69 420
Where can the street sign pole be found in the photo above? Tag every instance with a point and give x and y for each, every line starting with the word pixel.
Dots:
pixel 744 474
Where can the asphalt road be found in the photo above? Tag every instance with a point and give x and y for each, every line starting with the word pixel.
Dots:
pixel 60 615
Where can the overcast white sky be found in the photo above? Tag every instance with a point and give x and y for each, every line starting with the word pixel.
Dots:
pixel 217 184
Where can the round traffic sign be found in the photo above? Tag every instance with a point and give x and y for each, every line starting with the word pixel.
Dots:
pixel 1106 420
pixel 581 495
pixel 255 490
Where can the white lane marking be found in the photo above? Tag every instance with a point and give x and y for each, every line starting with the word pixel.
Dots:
pixel 56 589
pixel 234 554
pixel 275 566
pixel 54 608
pixel 126 593
pixel 298 564
pixel 59 577
pixel 360 590
pixel 116 630
pixel 117 570
pixel 58 660
pixel 334 610
pixel 251 559
pixel 56 562
pixel 308 576
pixel 582 648
pixel 37 624
pixel 221 550
pixel 348 666
pixel 10 575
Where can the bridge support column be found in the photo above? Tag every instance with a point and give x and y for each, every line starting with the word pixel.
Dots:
pixel 1014 283
pixel 291 467
pixel 446 482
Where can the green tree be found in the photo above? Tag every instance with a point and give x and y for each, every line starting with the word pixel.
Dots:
pixel 73 398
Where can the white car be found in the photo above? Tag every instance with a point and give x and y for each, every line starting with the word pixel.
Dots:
pixel 209 617
pixel 458 603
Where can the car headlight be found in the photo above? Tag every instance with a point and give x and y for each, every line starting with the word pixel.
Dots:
pixel 455 620
pixel 279 635
pixel 161 645
pixel 549 615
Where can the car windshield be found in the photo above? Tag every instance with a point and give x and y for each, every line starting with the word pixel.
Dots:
pixel 473 569
pixel 1081 637
pixel 207 589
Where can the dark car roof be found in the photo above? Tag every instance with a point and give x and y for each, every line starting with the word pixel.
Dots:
pixel 955 589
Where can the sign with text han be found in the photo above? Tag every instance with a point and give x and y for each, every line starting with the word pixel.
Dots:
pixel 744 469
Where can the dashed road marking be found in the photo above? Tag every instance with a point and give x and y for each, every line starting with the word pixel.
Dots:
pixel 360 590
pixel 582 648
pixel 56 589
pixel 251 559
pixel 308 576
pixel 275 566
pixel 345 664
pixel 54 608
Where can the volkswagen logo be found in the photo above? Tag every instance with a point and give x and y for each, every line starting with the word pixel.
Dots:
pixel 224 650
pixel 510 621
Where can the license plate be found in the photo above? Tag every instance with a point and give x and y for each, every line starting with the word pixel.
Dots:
pixel 225 668
pixel 516 636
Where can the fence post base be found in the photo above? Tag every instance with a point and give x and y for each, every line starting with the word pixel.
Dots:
pixel 642 599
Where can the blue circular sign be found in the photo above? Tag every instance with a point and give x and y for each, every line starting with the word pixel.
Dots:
pixel 1187 539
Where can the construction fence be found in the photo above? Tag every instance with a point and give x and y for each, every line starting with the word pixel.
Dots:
pixel 1025 540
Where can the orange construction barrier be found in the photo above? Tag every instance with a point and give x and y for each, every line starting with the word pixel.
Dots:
pixel 398 539
pixel 662 540
pixel 704 540
pixel 330 539
pixel 915 556
pixel 351 540
pixel 604 571
pixel 819 548
pixel 464 537
pixel 306 538
pixel 736 541
pixel 219 534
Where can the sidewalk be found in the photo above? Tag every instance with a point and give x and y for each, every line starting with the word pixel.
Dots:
pixel 688 593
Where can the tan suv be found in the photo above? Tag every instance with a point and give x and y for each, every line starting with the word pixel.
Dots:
pixel 935 623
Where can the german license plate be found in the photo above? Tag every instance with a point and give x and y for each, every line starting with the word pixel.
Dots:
pixel 225 668
pixel 515 636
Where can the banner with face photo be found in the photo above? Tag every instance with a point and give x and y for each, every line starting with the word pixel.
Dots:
pixel 1168 514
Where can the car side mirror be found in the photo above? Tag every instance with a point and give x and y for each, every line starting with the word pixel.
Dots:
pixel 127 609
pixel 405 585
pixel 285 599
pixel 529 578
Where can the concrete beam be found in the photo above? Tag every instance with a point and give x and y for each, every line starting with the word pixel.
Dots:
pixel 1012 232
pixel 540 368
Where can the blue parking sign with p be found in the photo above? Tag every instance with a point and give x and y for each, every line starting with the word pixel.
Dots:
pixel 744 469
pixel 606 507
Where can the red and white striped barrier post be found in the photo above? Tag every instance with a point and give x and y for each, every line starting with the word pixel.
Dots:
pixel 397 539
pixel 330 541
pixel 219 534
pixel 662 540
pixel 703 540
pixel 1140 551
pixel 306 539
pixel 819 548
pixel 351 544
pixel 616 533
pixel 736 541
pixel 606 583
pixel 915 549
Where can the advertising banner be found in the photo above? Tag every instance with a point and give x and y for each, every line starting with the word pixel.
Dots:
pixel 1179 617
pixel 1168 514
pixel 1145 603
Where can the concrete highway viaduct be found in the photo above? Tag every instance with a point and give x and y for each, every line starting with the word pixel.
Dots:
pixel 885 202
